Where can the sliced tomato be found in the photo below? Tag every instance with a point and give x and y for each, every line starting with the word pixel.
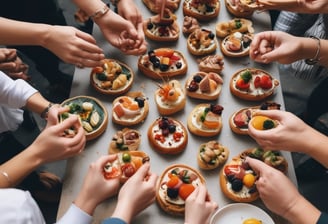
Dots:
pixel 115 172
pixel 257 82
pixel 241 84
pixel 128 169
pixel 235 170
pixel 173 182
pixel 185 190
pixel 266 82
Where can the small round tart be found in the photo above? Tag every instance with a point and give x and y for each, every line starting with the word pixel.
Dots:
pixel 211 63
pixel 202 10
pixel 241 25
pixel 205 120
pixel 125 166
pixel 249 4
pixel 174 186
pixel 237 179
pixel 211 155
pixel 239 120
pixel 125 140
pixel 113 78
pixel 167 135
pixel 130 109
pixel 236 44
pixel 190 24
pixel 203 85
pixel 92 113
pixel 158 29
pixel 163 62
pixel 170 98
pixel 201 42
pixel 236 9
pixel 252 84
pixel 172 5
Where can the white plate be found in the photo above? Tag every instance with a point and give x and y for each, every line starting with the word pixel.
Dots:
pixel 238 212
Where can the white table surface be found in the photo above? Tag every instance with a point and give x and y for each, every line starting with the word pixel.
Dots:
pixel 78 166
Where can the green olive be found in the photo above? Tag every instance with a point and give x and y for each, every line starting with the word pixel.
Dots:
pixel 126 157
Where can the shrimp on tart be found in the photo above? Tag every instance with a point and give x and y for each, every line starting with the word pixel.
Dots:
pixel 175 185
pixel 125 140
pixel 170 97
pixel 211 155
pixel 205 120
pixel 167 135
pixel 237 179
pixel 203 85
pixel 252 84
pixel 130 109
pixel 163 62
pixel 239 120
pixel 202 10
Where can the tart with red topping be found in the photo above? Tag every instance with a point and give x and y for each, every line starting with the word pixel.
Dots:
pixel 163 62
pixel 252 84
pixel 167 135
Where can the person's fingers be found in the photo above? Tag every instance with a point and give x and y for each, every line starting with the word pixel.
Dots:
pixel 202 193
pixel 143 171
pixel 273 114
pixel 257 165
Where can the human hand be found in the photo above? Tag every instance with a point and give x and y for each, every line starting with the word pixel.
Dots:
pixel 199 206
pixel 136 194
pixel 74 46
pixel 299 6
pixel 120 33
pixel 129 11
pixel 52 145
pixel 277 46
pixel 94 181
pixel 290 133
pixel 12 65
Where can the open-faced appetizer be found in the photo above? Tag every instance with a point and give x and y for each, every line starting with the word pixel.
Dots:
pixel 202 10
pixel 167 135
pixel 170 98
pixel 211 155
pixel 252 84
pixel 126 164
pixel 113 78
pixel 92 113
pixel 153 6
pixel 237 179
pixel 239 120
pixel 130 109
pixel 203 85
pixel 236 8
pixel 205 120
pixel 190 24
pixel 125 140
pixel 163 63
pixel 201 42
pixel 175 185
pixel 162 29
pixel 241 25
pixel 211 63
pixel 236 44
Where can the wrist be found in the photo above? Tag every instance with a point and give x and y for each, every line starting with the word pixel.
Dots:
pixel 85 203
pixel 123 212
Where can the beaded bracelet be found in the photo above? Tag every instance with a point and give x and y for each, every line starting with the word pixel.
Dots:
pixel 44 113
pixel 315 59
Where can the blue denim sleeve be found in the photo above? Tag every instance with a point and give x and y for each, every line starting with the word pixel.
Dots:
pixel 323 219
pixel 113 221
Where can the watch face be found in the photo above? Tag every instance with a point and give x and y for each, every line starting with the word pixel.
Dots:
pixel 311 61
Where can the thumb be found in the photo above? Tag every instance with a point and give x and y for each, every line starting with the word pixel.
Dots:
pixel 143 171
pixel 273 114
pixel 257 165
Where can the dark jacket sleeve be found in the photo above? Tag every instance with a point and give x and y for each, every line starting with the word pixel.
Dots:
pixel 323 219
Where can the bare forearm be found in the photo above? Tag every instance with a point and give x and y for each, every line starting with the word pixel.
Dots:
pixel 310 48
pixel 37 103
pixel 90 7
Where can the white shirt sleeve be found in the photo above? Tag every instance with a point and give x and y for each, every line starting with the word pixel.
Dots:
pixel 18 207
pixel 14 93
pixel 75 215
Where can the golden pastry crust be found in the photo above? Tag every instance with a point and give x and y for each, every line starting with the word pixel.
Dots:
pixel 125 140
pixel 170 98
pixel 130 109
pixel 167 135
pixel 211 63
pixel 157 29
pixel 172 5
pixel 253 90
pixel 241 25
pixel 177 205
pixel 236 44
pixel 190 24
pixel 125 166
pixel 237 10
pixel 201 42
pixel 211 155
pixel 202 10
pixel 113 78
pixel 203 85
pixel 205 120
pixel 233 183
pixel 163 63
